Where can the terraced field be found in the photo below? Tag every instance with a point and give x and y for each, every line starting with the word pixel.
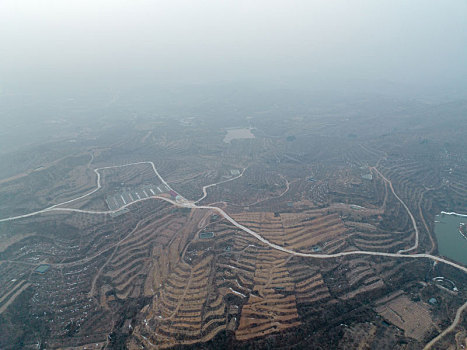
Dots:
pixel 299 232
pixel 167 274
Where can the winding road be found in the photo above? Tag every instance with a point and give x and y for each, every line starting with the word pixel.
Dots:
pixel 205 193
pixel 184 203
pixel 57 207
pixel 449 329
pixel 414 223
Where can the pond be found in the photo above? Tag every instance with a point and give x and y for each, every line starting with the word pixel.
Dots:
pixel 451 243
pixel 238 133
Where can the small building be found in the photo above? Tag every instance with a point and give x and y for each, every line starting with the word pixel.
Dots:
pixel 433 301
pixel 234 172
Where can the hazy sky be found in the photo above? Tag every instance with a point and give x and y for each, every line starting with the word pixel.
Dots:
pixel 203 41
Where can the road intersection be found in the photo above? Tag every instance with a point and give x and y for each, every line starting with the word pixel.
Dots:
pixel 182 202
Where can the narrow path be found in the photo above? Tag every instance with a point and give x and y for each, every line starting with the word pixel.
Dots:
pixel 414 223
pixel 14 296
pixel 182 298
pixel 287 188
pixel 96 277
pixel 427 229
pixel 218 183
pixel 449 329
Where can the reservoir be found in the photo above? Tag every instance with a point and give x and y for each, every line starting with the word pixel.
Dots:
pixel 451 243
pixel 238 133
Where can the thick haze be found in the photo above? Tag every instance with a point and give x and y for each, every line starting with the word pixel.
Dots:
pixel 112 43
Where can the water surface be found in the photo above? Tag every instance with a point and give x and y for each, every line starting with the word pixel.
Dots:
pixel 451 243
pixel 238 133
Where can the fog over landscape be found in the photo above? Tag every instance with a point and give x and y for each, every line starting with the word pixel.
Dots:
pixel 113 44
pixel 233 174
pixel 92 51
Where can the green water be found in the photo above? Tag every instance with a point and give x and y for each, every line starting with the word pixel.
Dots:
pixel 451 243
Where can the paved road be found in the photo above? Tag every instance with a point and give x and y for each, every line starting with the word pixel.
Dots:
pixel 98 187
pixel 182 202
pixel 189 204
pixel 449 329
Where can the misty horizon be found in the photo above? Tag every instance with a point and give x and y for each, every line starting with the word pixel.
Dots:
pixel 53 46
